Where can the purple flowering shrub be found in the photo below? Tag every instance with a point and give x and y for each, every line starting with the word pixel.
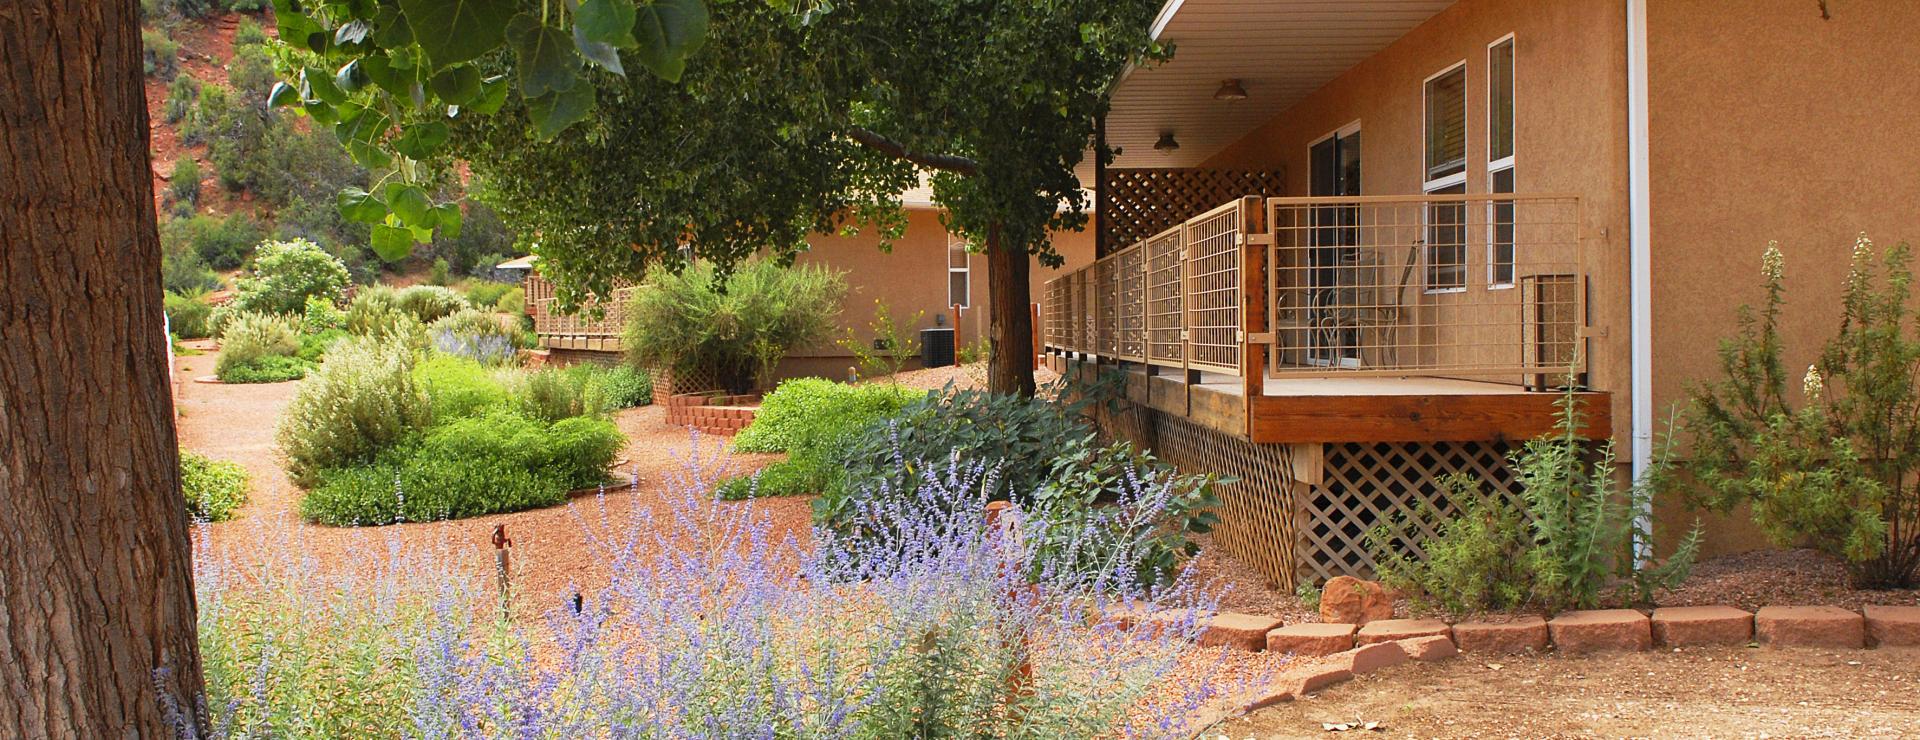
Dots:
pixel 712 625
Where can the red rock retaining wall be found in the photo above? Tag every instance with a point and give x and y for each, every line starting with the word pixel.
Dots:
pixel 712 413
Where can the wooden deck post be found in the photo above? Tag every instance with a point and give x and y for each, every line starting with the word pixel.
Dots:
pixel 1256 241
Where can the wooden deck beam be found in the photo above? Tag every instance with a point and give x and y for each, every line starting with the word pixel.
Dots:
pixel 1419 417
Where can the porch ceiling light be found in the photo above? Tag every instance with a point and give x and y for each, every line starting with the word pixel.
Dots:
pixel 1166 142
pixel 1230 90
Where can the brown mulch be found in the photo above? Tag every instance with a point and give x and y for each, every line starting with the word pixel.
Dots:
pixel 1777 578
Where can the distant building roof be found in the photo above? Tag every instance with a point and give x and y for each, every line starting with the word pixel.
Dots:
pixel 518 263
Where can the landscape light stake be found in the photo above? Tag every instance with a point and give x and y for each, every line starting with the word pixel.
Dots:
pixel 502 556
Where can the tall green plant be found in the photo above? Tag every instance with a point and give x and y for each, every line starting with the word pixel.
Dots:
pixel 892 343
pixel 1841 472
pixel 733 326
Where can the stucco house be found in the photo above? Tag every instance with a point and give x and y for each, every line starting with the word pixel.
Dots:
pixel 1445 206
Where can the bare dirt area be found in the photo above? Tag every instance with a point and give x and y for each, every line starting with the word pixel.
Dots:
pixel 1696 693
pixel 554 554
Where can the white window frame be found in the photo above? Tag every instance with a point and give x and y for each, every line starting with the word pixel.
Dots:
pixel 1503 164
pixel 966 301
pixel 1458 179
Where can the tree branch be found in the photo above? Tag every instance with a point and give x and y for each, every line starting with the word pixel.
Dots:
pixel 947 162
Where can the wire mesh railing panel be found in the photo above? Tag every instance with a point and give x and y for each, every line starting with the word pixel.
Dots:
pixel 1055 318
pixel 1166 315
pixel 1130 264
pixel 1488 286
pixel 1214 241
pixel 1106 284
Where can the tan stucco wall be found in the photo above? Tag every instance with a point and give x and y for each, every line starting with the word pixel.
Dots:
pixel 911 278
pixel 1569 130
pixel 1770 123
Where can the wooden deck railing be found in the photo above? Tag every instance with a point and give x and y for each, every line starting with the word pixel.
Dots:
pixel 1490 287
pixel 585 329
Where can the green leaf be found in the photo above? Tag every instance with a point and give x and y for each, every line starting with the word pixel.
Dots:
pixel 351 78
pixel 293 24
pixel 352 32
pixel 668 32
pixel 316 84
pixel 321 113
pixel 362 125
pixel 282 94
pixel 410 204
pixel 607 22
pixel 380 69
pixel 359 206
pixel 554 113
pixel 599 53
pixel 544 56
pixel 421 140
pixel 455 31
pixel 391 30
pixel 392 243
pixel 422 234
pixel 447 216
pixel 493 94
pixel 457 86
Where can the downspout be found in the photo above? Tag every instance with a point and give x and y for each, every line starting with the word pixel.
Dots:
pixel 1639 258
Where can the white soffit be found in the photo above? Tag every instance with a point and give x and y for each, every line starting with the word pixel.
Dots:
pixel 1280 50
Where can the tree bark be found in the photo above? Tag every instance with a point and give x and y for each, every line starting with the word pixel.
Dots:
pixel 1010 322
pixel 96 592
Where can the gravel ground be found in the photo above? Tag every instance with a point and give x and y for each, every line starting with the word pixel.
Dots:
pixel 961 376
pixel 1777 578
pixel 1696 693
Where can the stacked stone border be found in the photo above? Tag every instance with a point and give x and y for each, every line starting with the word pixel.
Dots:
pixel 1337 652
pixel 713 412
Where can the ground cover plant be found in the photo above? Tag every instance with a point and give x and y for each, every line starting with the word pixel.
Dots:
pixel 1568 542
pixel 733 326
pixel 385 431
pixel 812 420
pixel 213 489
pixel 710 626
pixel 1838 468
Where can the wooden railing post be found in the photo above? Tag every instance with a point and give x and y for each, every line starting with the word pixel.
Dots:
pixel 1256 241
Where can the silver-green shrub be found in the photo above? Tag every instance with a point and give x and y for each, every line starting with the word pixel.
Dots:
pixel 362 400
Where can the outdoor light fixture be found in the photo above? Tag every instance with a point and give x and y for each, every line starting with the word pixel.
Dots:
pixel 1166 142
pixel 1230 90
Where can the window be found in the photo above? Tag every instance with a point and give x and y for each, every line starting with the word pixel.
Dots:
pixel 959 275
pixel 1446 128
pixel 1500 213
pixel 1446 242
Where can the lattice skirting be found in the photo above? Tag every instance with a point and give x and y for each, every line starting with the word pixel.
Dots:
pixel 1302 512
pixel 1364 485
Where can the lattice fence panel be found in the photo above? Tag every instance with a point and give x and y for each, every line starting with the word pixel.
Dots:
pixel 1166 319
pixel 1365 485
pixel 1132 323
pixel 1213 289
pixel 1142 202
pixel 1260 512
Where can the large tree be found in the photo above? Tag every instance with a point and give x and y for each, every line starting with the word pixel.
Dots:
pixel 96 599
pixel 793 117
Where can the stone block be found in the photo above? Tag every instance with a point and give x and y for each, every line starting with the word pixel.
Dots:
pixel 1522 635
pixel 1810 626
pixel 1311 638
pixel 1431 647
pixel 1239 631
pixel 1687 626
pixel 1389 630
pixel 1600 630
pixel 1892 626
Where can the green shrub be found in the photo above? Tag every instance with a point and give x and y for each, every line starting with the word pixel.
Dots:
pixel 213 489
pixel 475 335
pixel 187 316
pixel 361 401
pixel 804 408
pixel 1476 561
pixel 375 312
pixel 247 6
pixel 248 338
pixel 184 182
pixel 286 273
pixel 736 331
pixel 250 74
pixel 160 55
pixel 429 303
pixel 314 346
pixel 1841 473
pixel 624 387
pixel 495 463
pixel 1581 532
pixel 247 32
pixel 1144 509
pixel 440 273
pixel 181 97
pixel 221 243
pixel 457 387
pixel 513 302
pixel 483 238
pixel 186 8
pixel 487 294
pixel 268 369
pixel 553 395
pixel 182 271
pixel 893 343
pixel 321 315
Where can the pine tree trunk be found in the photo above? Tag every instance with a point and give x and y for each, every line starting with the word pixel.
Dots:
pixel 96 588
pixel 1010 326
